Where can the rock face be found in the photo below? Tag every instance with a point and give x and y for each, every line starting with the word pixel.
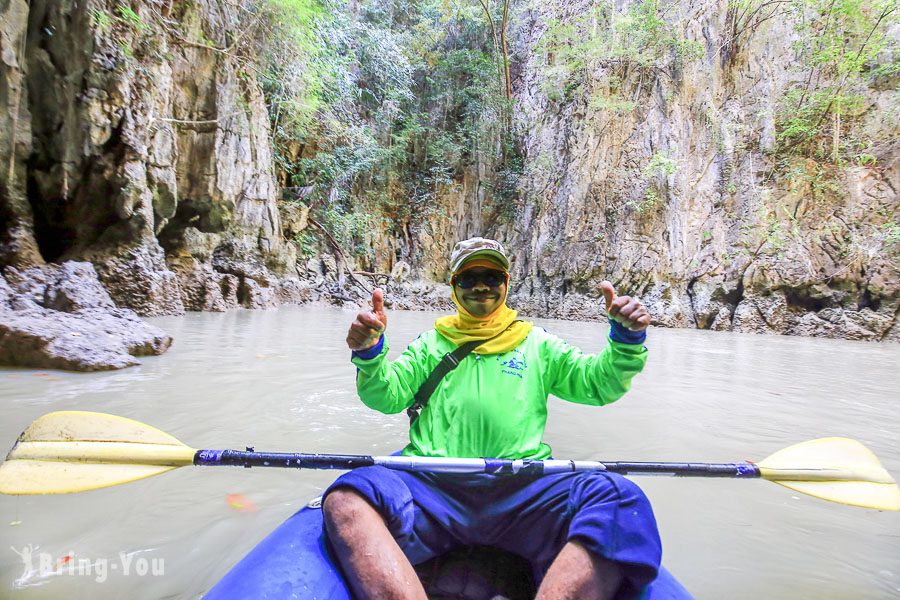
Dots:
pixel 61 317
pixel 682 199
pixel 669 181
pixel 141 145
pixel 136 140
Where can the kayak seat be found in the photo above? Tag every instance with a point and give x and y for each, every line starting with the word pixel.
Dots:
pixel 294 561
pixel 477 573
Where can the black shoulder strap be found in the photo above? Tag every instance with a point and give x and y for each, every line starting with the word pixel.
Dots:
pixel 449 362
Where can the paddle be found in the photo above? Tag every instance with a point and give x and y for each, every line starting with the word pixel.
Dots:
pixel 74 451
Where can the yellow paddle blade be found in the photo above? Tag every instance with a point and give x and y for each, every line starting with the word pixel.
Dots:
pixel 836 469
pixel 76 451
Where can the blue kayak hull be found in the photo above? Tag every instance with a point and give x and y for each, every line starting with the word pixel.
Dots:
pixel 294 562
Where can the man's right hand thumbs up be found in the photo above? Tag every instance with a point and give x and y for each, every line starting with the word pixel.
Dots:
pixel 369 324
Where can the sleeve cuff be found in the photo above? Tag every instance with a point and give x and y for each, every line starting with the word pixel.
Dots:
pixel 372 352
pixel 620 333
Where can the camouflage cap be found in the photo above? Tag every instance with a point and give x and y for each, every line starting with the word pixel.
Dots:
pixel 478 247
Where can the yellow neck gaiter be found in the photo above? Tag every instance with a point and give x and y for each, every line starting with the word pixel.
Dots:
pixel 464 327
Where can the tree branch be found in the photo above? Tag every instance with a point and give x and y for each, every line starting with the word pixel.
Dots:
pixel 337 247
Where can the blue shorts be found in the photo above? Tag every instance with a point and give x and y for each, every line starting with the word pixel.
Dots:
pixel 534 517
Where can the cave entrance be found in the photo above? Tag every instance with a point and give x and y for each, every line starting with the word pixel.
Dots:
pixel 190 212
pixel 53 231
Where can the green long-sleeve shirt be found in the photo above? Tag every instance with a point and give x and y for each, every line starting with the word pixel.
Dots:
pixel 494 405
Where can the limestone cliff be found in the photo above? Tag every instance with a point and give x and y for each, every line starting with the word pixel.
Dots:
pixel 133 137
pixel 667 177
pixel 718 234
pixel 136 137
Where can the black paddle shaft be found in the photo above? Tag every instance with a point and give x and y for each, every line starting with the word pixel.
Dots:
pixel 287 460
pixel 744 470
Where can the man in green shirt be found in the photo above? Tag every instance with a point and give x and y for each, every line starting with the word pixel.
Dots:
pixel 586 535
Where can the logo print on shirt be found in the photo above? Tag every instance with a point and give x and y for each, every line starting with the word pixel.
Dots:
pixel 514 364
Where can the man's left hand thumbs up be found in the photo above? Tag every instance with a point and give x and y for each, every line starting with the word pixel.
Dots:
pixel 624 309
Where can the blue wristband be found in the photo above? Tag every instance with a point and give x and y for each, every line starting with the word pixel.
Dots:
pixel 370 353
pixel 620 333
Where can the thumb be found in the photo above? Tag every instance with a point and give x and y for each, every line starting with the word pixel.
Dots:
pixel 609 293
pixel 378 303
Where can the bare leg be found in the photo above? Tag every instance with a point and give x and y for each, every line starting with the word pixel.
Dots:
pixel 576 574
pixel 372 561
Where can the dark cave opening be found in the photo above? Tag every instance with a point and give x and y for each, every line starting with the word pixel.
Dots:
pixel 733 297
pixel 868 300
pixel 801 298
pixel 79 214
pixel 53 231
pixel 186 215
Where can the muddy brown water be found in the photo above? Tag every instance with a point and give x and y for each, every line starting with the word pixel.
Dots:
pixel 281 380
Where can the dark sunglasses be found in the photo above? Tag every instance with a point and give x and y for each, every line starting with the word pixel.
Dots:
pixel 468 279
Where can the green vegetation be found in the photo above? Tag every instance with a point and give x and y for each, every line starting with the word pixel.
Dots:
pixel 611 57
pixel 377 111
pixel 382 110
pixel 613 103
pixel 123 26
pixel 306 244
pixel 655 174
pixel 891 233
pixel 127 15
pixel 840 44
pixel 101 20
pixel 297 65
pixel 660 165
pixel 649 202
pixel 639 43
pixel 122 14
pixel 844 54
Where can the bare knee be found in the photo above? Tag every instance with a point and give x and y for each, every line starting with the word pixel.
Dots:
pixel 344 509
pixel 579 573
pixel 374 564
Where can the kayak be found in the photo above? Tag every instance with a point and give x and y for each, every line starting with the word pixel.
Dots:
pixel 295 562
